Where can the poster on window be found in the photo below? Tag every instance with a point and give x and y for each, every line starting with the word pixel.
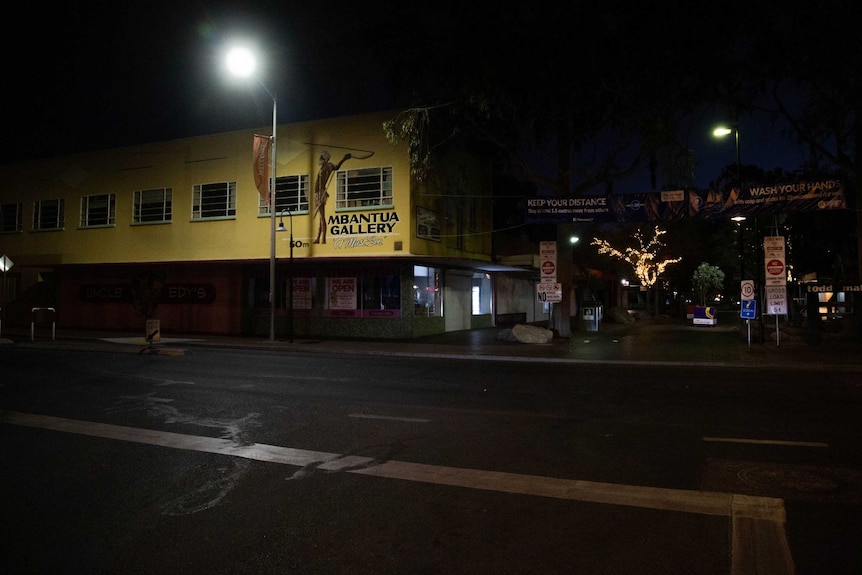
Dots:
pixel 301 293
pixel 342 294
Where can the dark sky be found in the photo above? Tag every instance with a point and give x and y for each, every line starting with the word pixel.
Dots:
pixel 90 75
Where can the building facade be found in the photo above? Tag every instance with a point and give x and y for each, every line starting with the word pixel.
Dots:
pixel 178 231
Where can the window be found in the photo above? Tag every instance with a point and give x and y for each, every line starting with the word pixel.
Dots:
pixel 152 206
pixel 426 292
pixel 97 210
pixel 381 295
pixel 214 201
pixel 291 195
pixel 10 218
pixel 481 293
pixel 373 292
pixel 363 188
pixel 49 214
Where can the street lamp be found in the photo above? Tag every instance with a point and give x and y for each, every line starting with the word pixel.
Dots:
pixel 722 131
pixel 242 63
pixel 289 277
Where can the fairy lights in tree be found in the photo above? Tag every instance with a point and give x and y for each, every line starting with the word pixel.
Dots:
pixel 643 258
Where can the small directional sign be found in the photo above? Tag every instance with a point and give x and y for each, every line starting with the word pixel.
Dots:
pixel 749 309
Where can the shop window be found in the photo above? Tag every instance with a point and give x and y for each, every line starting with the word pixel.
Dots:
pixel 365 187
pixel 481 293
pixel 426 292
pixel 381 296
pixel 152 206
pixel 11 219
pixel 291 195
pixel 49 214
pixel 375 294
pixel 214 201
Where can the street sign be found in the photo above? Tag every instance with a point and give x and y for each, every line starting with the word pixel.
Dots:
pixel 776 300
pixel 746 291
pixel 773 247
pixel 548 262
pixel 749 309
pixel 773 259
pixel 5 264
pixel 549 292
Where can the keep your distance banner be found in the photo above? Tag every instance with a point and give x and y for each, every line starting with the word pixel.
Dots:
pixel 680 204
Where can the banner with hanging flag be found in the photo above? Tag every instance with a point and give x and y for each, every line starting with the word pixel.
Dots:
pixel 262 146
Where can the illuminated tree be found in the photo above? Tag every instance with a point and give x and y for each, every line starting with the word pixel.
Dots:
pixel 644 258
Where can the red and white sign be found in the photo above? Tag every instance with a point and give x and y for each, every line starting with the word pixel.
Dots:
pixel 775 268
pixel 773 251
pixel 548 262
pixel 746 291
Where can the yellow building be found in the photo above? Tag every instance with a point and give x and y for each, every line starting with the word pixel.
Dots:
pixel 178 231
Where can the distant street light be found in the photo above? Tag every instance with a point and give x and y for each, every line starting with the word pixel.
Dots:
pixel 242 63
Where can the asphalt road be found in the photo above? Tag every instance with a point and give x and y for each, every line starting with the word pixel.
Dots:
pixel 241 461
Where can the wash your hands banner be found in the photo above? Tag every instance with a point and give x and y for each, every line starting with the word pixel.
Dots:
pixel 680 204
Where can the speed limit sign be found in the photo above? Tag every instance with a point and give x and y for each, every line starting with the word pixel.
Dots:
pixel 747 289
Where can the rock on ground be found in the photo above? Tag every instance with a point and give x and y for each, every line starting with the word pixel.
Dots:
pixel 532 334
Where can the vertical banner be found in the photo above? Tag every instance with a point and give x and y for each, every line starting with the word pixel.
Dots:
pixel 261 165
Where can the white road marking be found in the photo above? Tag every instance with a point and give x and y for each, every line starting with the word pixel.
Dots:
pixel 766 442
pixel 758 536
pixel 389 418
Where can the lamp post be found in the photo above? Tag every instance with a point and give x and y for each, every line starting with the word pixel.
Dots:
pixel 241 62
pixel 722 131
pixel 289 278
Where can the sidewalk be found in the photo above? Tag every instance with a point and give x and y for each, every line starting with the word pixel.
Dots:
pixel 656 341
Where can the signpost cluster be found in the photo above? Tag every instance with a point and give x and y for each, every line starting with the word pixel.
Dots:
pixel 548 290
pixel 775 272
pixel 776 279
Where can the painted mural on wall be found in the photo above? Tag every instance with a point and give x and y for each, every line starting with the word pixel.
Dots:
pixel 679 204
pixel 321 193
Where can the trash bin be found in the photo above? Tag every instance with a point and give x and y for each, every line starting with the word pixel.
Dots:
pixel 591 315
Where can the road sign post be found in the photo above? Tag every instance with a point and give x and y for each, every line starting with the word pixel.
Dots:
pixel 776 279
pixel 748 312
pixel 548 277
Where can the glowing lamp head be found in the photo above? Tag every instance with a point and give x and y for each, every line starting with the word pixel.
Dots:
pixel 241 62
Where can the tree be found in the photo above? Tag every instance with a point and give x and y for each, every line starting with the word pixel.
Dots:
pixel 707 281
pixel 580 110
pixel 644 258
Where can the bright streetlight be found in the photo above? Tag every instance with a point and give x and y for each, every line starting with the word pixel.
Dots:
pixel 241 62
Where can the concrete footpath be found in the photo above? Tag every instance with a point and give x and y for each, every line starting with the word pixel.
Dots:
pixel 649 340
